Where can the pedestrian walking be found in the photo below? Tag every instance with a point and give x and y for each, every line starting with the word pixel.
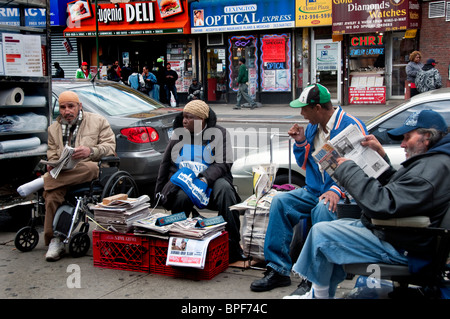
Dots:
pixel 243 87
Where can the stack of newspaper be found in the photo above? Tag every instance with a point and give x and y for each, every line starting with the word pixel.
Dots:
pixel 187 228
pixel 119 215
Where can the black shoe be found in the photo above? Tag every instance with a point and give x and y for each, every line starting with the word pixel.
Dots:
pixel 271 280
pixel 236 108
pixel 302 288
pixel 237 255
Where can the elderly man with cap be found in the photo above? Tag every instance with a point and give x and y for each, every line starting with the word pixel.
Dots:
pixel 201 150
pixel 92 138
pixel 419 188
pixel 83 72
pixel 318 199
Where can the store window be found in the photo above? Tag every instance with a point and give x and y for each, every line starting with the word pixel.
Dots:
pixel 275 62
pixel 179 55
pixel 367 69
pixel 243 46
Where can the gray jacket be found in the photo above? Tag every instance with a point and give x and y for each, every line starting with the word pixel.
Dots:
pixel 412 68
pixel 420 188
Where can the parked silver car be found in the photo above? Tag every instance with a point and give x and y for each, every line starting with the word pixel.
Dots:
pixel 142 125
pixel 438 100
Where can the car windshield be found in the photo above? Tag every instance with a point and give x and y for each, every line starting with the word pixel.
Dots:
pixel 113 101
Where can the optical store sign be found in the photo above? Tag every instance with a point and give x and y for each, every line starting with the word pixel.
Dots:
pixel 242 15
pixel 363 16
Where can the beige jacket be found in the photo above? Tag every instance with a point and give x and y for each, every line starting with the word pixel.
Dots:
pixel 94 132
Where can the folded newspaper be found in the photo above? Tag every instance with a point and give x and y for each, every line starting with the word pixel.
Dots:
pixel 119 215
pixel 348 144
pixel 65 162
pixel 185 228
pixel 184 252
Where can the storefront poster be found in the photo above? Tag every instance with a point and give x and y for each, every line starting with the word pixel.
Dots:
pixel 79 10
pixel 327 56
pixel 313 13
pixel 242 15
pixel 366 16
pixel 367 95
pixel 129 18
pixel 22 54
pixel 168 8
pixel 276 65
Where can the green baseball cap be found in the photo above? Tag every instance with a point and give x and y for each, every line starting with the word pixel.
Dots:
pixel 312 94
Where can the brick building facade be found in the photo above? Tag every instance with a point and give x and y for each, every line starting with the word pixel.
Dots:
pixel 435 36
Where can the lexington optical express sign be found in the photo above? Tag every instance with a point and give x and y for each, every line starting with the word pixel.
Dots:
pixel 242 15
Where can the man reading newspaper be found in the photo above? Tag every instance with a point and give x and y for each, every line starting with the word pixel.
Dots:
pixel 92 138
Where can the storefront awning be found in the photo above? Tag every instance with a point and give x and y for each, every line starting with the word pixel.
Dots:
pixel 134 18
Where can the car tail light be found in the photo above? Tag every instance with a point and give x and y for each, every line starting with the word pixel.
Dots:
pixel 140 134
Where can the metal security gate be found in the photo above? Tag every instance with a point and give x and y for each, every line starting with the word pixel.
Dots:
pixel 68 62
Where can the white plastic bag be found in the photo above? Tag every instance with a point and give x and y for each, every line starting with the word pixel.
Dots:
pixel 173 102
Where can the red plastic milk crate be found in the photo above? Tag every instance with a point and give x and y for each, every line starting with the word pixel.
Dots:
pixel 121 251
pixel 216 260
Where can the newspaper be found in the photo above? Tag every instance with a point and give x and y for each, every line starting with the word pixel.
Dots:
pixel 348 144
pixel 185 228
pixel 263 178
pixel 250 203
pixel 65 162
pixel 124 204
pixel 119 215
pixel 186 252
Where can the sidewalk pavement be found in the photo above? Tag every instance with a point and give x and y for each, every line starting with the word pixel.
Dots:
pixel 26 275
pixel 283 113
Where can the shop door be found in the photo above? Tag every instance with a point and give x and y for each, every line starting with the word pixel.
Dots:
pixel 326 67
pixel 398 57
pixel 216 85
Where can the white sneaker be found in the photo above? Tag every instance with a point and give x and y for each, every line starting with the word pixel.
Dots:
pixel 55 250
pixel 308 295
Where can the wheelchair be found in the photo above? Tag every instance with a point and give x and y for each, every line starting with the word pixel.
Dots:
pixel 76 208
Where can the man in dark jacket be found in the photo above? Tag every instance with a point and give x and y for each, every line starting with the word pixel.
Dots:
pixel 170 78
pixel 419 188
pixel 201 149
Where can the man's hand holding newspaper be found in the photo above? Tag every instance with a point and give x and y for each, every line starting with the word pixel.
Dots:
pixel 66 161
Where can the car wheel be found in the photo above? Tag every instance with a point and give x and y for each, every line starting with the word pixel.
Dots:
pixel 296 180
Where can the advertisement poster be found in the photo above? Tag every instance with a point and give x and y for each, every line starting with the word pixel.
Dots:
pixel 327 56
pixel 22 54
pixel 367 95
pixel 276 64
pixel 79 10
pixel 313 13
pixel 168 8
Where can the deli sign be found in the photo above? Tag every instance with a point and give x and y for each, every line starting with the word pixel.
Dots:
pixel 365 16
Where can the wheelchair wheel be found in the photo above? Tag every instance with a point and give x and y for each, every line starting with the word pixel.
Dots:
pixel 79 244
pixel 121 182
pixel 26 239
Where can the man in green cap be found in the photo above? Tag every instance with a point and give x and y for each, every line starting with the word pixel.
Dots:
pixel 318 199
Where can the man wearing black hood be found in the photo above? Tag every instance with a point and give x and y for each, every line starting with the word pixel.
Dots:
pixel 203 149
pixel 428 78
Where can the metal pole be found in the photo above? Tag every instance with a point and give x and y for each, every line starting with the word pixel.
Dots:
pixel 96 39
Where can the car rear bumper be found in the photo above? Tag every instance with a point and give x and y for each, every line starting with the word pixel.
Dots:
pixel 142 165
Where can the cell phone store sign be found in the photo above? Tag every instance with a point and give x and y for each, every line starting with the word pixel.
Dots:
pixel 363 16
pixel 242 15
